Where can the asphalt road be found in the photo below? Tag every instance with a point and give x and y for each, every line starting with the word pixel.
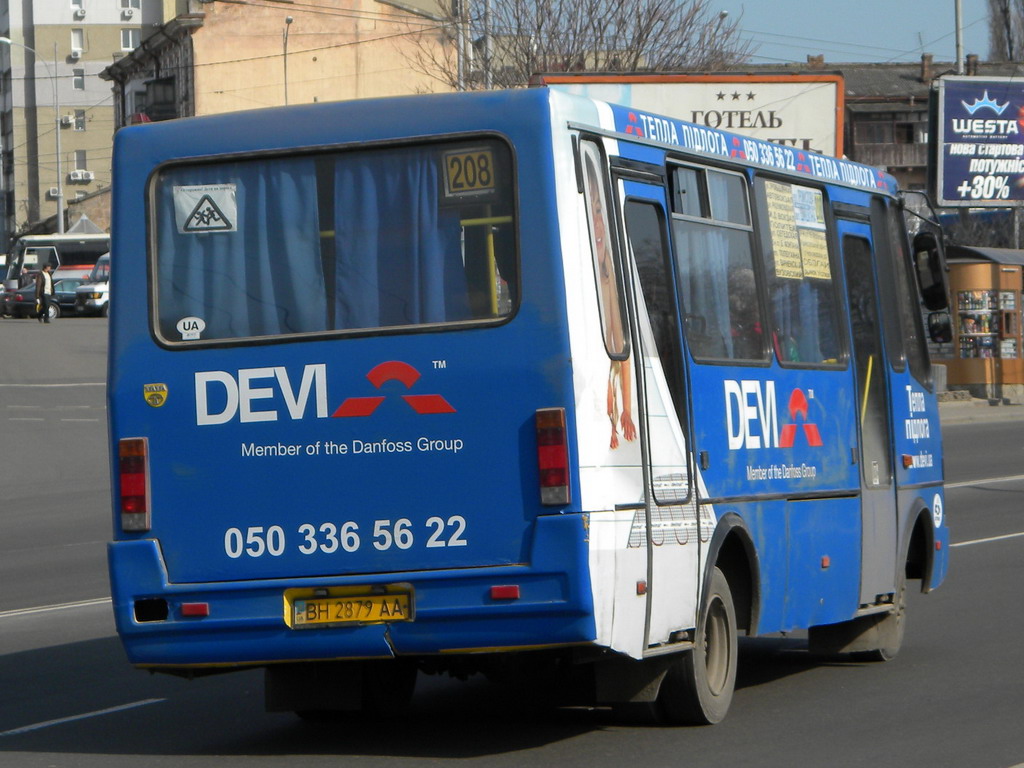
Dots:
pixel 69 698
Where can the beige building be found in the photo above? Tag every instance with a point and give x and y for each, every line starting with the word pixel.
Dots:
pixel 220 56
pixel 56 114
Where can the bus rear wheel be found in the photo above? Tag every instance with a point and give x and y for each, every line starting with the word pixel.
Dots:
pixel 697 689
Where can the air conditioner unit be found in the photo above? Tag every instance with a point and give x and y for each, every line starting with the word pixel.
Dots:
pixel 127 12
pixel 81 175
pixel 53 192
pixel 66 120
pixel 79 13
pixel 76 54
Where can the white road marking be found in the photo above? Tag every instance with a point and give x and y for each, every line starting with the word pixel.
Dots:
pixel 57 607
pixel 37 386
pixel 84 716
pixel 989 539
pixel 986 481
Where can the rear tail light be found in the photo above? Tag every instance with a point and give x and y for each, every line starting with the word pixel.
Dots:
pixel 552 456
pixel 133 471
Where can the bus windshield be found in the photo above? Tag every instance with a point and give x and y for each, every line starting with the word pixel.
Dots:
pixel 348 241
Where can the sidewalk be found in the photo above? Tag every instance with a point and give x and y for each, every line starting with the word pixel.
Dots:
pixel 977 411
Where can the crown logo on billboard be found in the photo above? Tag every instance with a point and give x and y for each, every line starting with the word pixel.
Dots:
pixel 983 103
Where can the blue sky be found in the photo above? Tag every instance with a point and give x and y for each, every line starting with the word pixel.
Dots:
pixel 858 30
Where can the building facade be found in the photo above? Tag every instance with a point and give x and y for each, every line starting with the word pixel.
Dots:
pixel 56 114
pixel 230 56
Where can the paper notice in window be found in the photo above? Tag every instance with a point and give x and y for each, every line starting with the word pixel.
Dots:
pixel 782 227
pixel 814 250
pixel 205 208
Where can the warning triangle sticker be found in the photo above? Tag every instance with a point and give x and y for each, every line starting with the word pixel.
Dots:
pixel 207 217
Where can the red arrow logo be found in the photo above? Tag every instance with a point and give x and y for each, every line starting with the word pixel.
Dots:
pixel 393 370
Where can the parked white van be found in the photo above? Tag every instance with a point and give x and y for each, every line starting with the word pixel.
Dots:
pixel 93 298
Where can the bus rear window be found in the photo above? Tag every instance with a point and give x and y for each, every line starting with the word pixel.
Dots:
pixel 353 241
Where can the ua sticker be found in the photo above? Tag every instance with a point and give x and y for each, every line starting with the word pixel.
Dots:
pixel 155 394
pixel 190 328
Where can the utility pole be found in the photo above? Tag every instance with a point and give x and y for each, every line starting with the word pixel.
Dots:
pixel 959 21
pixel 287 25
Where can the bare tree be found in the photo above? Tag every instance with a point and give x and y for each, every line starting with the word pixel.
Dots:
pixel 502 43
pixel 1006 29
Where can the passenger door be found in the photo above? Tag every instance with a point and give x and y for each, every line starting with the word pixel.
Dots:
pixel 667 524
pixel 878 494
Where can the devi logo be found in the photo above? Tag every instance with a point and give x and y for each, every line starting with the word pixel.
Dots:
pixel 393 371
pixel 752 417
pixel 253 394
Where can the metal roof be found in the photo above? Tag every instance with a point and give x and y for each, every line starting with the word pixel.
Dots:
pixel 995 255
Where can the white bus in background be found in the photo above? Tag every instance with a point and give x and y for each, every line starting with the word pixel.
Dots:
pixel 66 252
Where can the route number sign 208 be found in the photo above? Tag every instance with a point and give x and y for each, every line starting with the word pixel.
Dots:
pixel 468 171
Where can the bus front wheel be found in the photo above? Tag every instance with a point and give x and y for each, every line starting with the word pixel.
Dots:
pixel 697 689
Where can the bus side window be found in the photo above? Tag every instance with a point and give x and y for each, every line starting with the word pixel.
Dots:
pixel 800 273
pixel 613 319
pixel 646 232
pixel 721 302
pixel 906 342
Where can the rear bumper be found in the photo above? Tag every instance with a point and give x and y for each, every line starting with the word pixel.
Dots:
pixel 454 610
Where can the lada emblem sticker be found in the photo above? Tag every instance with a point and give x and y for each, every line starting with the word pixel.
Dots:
pixel 154 394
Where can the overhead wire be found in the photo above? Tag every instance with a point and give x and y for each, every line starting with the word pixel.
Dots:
pixel 845 47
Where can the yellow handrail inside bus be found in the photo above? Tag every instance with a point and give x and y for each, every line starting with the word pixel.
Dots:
pixel 485 221
pixel 492 268
pixel 867 388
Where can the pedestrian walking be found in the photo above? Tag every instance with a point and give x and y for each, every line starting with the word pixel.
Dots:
pixel 44 290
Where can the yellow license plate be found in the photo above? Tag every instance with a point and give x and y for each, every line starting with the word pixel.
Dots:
pixel 348 609
pixel 468 172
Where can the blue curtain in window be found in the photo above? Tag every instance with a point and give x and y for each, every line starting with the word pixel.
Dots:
pixel 264 279
pixel 704 265
pixel 797 310
pixel 398 252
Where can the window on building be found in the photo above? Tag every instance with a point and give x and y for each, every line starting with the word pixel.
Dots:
pixel 134 4
pixel 903 133
pixel 77 5
pixel 892 128
pixel 130 39
pixel 81 160
pixel 78 39
pixel 78 79
pixel 872 132
pixel 79 119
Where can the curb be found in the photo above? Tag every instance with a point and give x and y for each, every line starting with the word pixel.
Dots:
pixel 978 411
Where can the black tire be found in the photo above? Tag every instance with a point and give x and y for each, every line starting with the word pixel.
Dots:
pixel 53 310
pixel 106 310
pixel 697 689
pixel 890 629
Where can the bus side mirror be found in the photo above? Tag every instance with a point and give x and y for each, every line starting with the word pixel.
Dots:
pixel 931 270
pixel 940 327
